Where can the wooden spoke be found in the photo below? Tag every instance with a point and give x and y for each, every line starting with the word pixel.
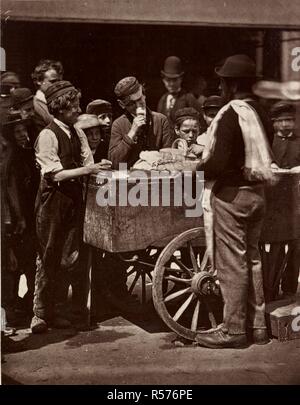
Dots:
pixel 149 275
pixel 177 279
pixel 183 308
pixel 176 270
pixel 134 282
pixel 143 287
pixel 194 323
pixel 204 261
pixel 129 272
pixel 176 294
pixel 193 258
pixel 182 266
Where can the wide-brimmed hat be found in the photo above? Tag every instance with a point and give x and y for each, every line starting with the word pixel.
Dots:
pixel 99 107
pixel 237 66
pixel 85 121
pixel 289 90
pixel 282 109
pixel 172 68
pixel 20 96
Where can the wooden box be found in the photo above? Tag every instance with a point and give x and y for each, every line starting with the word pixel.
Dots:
pixel 118 228
pixel 281 322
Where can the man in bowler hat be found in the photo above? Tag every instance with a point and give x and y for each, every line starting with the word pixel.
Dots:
pixel 176 97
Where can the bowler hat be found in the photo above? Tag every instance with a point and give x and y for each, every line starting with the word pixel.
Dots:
pixel 99 107
pixel 20 96
pixel 282 109
pixel 172 68
pixel 57 89
pixel 240 66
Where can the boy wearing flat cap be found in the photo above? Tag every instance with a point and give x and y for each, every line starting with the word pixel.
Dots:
pixel 286 149
pixel 103 110
pixel 139 128
pixel 64 157
pixel 176 97
pixel 286 144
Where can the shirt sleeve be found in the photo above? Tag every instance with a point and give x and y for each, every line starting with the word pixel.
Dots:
pixel 42 111
pixel 87 158
pixel 215 165
pixel 46 152
pixel 120 145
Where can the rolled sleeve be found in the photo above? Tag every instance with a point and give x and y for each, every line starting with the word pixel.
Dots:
pixel 46 152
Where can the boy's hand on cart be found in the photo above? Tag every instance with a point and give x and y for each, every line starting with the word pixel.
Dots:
pixel 196 149
pixel 103 165
pixel 295 169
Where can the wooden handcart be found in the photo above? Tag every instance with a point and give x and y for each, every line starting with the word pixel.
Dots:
pixel 163 247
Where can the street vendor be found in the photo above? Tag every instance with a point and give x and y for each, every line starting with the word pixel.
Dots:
pixel 139 128
pixel 64 157
pixel 103 110
pixel 286 149
pixel 238 158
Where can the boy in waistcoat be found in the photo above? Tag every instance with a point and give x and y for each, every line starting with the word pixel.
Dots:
pixel 64 157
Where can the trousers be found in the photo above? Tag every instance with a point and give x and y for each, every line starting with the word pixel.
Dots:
pixel 238 218
pixel 59 234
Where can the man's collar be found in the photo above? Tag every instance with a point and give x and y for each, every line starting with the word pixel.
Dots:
pixel 290 135
pixel 61 124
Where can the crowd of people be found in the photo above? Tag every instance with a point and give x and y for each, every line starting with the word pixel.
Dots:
pixel 49 147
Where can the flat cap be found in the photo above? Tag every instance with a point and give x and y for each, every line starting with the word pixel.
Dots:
pixel 57 89
pixel 85 121
pixel 14 118
pixel 10 78
pixel 213 102
pixel 283 108
pixel 99 107
pixel 127 86
pixel 186 113
pixel 20 96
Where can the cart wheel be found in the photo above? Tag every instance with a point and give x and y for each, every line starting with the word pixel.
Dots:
pixel 185 294
pixel 139 273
